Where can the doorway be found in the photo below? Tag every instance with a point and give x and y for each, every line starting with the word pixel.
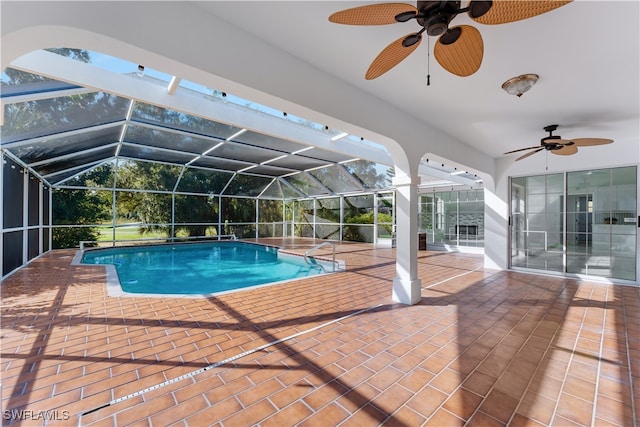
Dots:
pixel 581 222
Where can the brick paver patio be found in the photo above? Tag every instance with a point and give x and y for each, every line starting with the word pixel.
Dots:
pixel 481 348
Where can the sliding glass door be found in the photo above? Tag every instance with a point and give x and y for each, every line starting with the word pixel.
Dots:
pixel 453 218
pixel 580 222
pixel 601 223
pixel 537 213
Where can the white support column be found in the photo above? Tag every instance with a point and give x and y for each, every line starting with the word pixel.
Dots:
pixel 50 213
pixel 40 217
pixel 315 216
pixel 173 215
pixel 341 217
pixel 406 285
pixel 496 229
pixel 284 219
pixel 375 219
pixel 257 222
pixel 1 208
pixel 25 216
pixel 220 229
pixel 638 227
pixel 114 202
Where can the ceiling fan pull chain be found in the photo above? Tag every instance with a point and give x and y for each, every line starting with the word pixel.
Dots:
pixel 546 153
pixel 428 61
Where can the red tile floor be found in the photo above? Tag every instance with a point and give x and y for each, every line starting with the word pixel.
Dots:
pixel 481 348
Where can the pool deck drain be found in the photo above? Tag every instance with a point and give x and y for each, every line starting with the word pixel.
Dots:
pixel 225 361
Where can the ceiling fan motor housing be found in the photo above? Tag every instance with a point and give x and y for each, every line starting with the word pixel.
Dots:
pixel 549 139
pixel 548 142
pixel 435 16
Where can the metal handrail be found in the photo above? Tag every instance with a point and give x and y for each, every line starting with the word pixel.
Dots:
pixel 333 247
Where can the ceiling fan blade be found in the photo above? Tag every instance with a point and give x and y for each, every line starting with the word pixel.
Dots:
pixel 463 55
pixel 589 142
pixel 522 149
pixel 372 14
pixel 391 56
pixel 530 154
pixel 502 12
pixel 566 150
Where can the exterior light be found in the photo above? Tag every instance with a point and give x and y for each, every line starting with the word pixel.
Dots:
pixel 519 85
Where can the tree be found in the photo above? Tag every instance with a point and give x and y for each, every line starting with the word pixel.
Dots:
pixel 77 207
pixel 153 210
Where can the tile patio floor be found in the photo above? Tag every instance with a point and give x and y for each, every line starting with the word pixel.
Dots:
pixel 482 348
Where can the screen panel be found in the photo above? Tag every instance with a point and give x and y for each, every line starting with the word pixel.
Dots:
pixel 11 251
pixel 194 144
pixel 61 114
pixel 33 238
pixel 12 203
pixel 196 180
pixel 58 146
pixel 33 206
pixel 172 119
pixel 79 160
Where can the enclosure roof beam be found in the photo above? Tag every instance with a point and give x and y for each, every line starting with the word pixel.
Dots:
pixel 72 71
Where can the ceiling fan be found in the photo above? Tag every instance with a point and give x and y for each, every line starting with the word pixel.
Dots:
pixel 459 49
pixel 556 145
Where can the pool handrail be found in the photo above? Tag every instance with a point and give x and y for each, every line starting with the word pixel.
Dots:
pixel 83 243
pixel 333 247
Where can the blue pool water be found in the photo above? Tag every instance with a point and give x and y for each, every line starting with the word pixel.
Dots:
pixel 199 268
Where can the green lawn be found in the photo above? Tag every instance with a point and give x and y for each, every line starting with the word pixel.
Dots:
pixel 129 232
pixel 132 232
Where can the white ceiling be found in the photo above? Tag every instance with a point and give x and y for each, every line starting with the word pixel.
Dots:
pixel 586 54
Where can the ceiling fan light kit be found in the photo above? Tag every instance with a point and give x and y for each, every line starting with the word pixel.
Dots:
pixel 458 49
pixel 520 84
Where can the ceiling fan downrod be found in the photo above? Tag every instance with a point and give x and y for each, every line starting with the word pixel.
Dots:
pixel 546 141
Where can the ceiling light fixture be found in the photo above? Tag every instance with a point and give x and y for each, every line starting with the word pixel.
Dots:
pixel 458 173
pixel 519 85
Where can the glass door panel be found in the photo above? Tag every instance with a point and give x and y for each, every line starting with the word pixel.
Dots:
pixel 606 243
pixel 537 212
pixel 595 234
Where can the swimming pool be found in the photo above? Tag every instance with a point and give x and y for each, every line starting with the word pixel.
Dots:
pixel 201 268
